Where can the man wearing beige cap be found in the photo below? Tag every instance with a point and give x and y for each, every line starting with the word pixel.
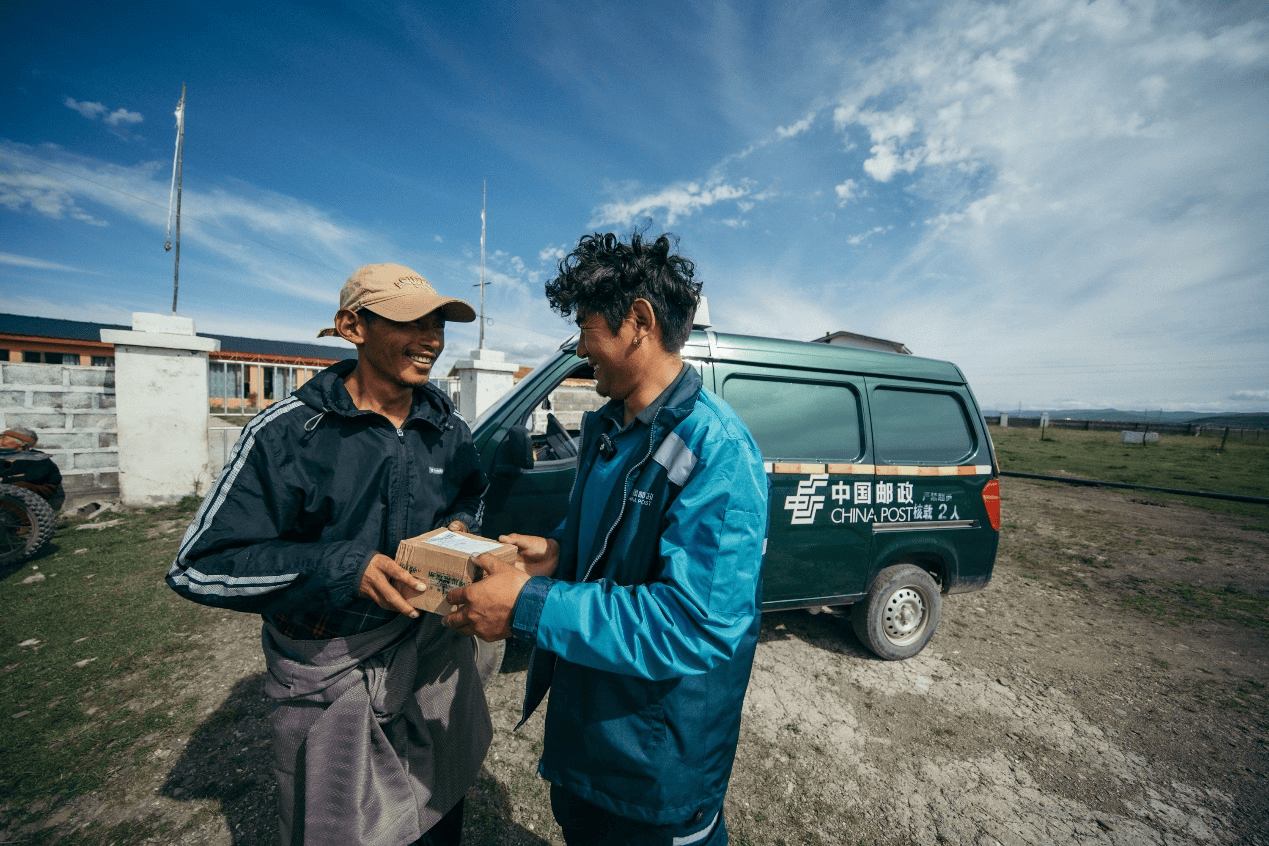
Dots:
pixel 381 722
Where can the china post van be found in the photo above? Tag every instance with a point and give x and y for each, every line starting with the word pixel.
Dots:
pixel 884 482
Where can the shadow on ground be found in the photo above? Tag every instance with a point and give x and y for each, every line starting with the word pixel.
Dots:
pixel 487 817
pixel 829 631
pixel 228 760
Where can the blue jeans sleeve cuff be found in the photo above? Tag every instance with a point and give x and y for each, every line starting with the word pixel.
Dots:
pixel 528 610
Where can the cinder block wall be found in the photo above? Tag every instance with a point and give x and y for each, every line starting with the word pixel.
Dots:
pixel 72 409
pixel 568 404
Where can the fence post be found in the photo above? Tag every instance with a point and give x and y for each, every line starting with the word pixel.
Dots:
pixel 161 399
pixel 482 379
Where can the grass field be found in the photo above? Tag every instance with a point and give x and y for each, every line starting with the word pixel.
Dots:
pixel 84 651
pixel 1174 461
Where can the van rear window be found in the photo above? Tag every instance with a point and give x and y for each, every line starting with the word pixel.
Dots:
pixel 920 427
pixel 803 420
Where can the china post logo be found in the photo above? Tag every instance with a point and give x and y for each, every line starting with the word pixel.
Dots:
pixel 806 503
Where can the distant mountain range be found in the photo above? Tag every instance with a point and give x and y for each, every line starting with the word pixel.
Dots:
pixel 1252 420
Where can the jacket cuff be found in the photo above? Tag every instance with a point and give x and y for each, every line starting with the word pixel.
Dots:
pixel 355 591
pixel 473 525
pixel 528 610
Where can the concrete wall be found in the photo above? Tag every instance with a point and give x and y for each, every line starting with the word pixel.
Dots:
pixel 72 409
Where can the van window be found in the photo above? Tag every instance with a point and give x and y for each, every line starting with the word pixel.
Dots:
pixel 803 420
pixel 919 427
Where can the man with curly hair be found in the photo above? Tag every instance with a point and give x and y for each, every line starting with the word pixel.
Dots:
pixel 642 607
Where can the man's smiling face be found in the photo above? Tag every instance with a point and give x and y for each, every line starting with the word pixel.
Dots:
pixel 402 354
pixel 608 353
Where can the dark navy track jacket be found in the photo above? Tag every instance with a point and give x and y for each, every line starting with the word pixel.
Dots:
pixel 314 488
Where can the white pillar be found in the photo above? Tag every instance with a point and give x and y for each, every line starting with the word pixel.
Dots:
pixel 161 403
pixel 482 380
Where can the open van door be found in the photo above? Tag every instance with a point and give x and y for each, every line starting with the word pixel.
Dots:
pixel 529 443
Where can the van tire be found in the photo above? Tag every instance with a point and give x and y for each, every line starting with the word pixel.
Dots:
pixel 900 613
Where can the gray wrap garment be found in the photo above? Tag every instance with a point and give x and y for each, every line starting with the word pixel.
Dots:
pixel 376 736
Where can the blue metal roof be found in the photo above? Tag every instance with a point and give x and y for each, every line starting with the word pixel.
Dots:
pixel 49 327
pixel 77 330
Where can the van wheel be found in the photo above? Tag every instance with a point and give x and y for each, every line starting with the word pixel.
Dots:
pixel 900 613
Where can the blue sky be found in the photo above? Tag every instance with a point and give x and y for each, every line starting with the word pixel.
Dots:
pixel 1070 200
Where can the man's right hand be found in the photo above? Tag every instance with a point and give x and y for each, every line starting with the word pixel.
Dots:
pixel 540 556
pixel 389 585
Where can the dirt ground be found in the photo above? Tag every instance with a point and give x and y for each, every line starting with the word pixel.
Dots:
pixel 1081 698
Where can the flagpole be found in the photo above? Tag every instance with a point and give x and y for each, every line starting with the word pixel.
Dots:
pixel 177 166
pixel 483 186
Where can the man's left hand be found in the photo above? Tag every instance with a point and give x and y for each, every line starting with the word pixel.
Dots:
pixel 457 526
pixel 485 608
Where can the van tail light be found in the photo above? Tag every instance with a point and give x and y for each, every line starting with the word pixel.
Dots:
pixel 991 499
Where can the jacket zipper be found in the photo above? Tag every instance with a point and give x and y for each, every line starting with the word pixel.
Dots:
pixel 624 496
pixel 402 510
pixel 625 493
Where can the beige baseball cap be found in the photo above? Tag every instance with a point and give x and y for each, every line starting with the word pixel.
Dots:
pixel 398 293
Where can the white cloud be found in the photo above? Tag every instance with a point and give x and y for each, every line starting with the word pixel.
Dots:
pixel 280 258
pixel 1065 198
pixel 795 129
pixel 1250 396
pixel 117 121
pixel 45 192
pixel 122 117
pixel 676 201
pixel 859 238
pixel 552 253
pixel 38 264
pixel 101 310
pixel 262 233
pixel 847 191
pixel 1093 176
pixel 92 111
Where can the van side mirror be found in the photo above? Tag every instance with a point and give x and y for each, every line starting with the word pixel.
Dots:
pixel 515 453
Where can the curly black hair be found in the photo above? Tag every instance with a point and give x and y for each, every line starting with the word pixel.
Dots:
pixel 604 276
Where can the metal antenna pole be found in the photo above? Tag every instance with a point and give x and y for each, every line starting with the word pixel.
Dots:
pixel 180 154
pixel 483 188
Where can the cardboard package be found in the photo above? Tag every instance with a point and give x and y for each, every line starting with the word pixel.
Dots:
pixel 442 560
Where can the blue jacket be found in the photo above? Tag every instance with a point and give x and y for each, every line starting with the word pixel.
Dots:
pixel 647 636
pixel 314 488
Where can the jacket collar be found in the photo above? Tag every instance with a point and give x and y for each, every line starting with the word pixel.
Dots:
pixel 326 392
pixel 678 398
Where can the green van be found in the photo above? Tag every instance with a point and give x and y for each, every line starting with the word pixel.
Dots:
pixel 884 482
